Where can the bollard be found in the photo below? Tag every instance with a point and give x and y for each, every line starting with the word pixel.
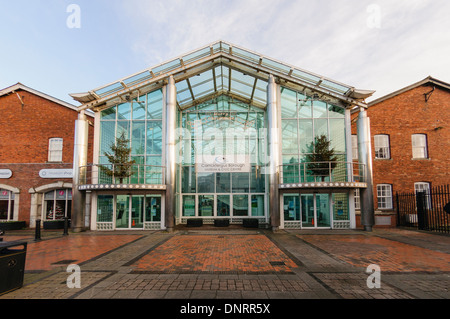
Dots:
pixel 66 226
pixel 37 234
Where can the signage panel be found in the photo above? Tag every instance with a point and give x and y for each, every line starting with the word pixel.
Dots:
pixel 56 173
pixel 223 164
pixel 5 173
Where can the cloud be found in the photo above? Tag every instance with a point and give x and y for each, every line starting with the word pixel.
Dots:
pixel 336 39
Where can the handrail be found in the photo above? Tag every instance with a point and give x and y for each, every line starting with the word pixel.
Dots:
pixel 121 174
pixel 332 171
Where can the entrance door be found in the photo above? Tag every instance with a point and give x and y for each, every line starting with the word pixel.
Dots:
pixel 315 210
pixel 130 212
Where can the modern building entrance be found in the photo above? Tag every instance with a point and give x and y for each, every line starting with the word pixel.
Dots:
pixel 317 210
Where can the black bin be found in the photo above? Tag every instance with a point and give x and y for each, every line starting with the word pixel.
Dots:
pixel 250 222
pixel 12 265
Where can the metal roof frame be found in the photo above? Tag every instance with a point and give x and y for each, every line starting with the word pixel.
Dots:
pixel 235 58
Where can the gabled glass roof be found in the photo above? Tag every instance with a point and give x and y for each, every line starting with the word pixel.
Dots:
pixel 221 68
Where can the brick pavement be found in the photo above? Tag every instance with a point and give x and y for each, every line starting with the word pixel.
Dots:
pixel 239 264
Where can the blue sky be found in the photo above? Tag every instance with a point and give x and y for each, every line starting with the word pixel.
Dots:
pixel 380 45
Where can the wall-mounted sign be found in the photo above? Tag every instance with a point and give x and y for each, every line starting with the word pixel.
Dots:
pixel 5 173
pixel 223 164
pixel 56 173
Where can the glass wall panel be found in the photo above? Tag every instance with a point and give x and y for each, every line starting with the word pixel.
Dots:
pixel 139 108
pixel 288 103
pixel 123 127
pixel 188 184
pixel 291 207
pixel 340 206
pixel 240 205
pixel 337 134
pixel 223 182
pixel 154 105
pixel 153 208
pixel 105 208
pixel 257 180
pixel 223 205
pixel 240 182
pixel 205 205
pixel 305 131
pixel 124 111
pixel 137 211
pixel 138 138
pixel 319 109
pixel 289 136
pixel 188 205
pixel 107 135
pixel 257 204
pixel 206 182
pixel 307 202
pixel 108 114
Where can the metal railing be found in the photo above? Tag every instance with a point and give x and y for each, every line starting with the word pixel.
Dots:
pixel 322 172
pixel 121 174
pixel 428 210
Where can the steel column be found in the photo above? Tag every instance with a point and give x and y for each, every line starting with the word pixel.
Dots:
pixel 365 157
pixel 273 151
pixel 79 171
pixel 171 120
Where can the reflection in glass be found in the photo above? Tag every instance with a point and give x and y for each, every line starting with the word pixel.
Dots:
pixel 240 205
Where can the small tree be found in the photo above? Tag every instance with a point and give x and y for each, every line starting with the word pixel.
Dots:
pixel 120 159
pixel 322 157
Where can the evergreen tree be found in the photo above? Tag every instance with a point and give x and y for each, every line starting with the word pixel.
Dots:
pixel 321 154
pixel 120 159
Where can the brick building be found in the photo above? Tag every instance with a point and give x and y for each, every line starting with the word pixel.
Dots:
pixel 36 155
pixel 410 143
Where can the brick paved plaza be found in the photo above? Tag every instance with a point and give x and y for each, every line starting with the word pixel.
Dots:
pixel 236 263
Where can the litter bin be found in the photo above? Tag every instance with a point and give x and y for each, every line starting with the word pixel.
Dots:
pixel 12 265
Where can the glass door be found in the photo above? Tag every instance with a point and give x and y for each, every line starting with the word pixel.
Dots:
pixel 137 211
pixel 323 210
pixel 122 211
pixel 315 210
pixel 307 208
pixel 291 207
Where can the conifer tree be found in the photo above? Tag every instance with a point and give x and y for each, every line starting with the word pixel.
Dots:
pixel 120 159
pixel 321 154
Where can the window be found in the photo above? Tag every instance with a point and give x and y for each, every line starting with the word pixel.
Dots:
pixel 357 199
pixel 355 147
pixel 425 188
pixel 6 205
pixel 55 148
pixel 57 204
pixel 419 146
pixel 384 195
pixel 382 146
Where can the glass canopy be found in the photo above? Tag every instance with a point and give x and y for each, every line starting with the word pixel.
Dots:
pixel 221 68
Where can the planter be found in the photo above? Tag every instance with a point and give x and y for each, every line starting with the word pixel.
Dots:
pixel 55 224
pixel 194 222
pixel 15 225
pixel 250 223
pixel 221 222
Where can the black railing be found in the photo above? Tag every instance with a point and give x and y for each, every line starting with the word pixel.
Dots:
pixel 428 210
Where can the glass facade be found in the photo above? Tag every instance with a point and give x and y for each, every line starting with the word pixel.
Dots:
pixel 222 166
pixel 140 120
pixel 222 151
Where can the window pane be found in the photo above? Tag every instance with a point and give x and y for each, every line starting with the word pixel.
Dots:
pixel 188 179
pixel 109 114
pixel 305 129
pixel 240 205
pixel 337 135
pixel 319 109
pixel 223 205
pixel 138 138
pixel 240 182
pixel 205 205
pixel 257 205
pixel 139 108
pixel 153 208
pixel 107 136
pixel 223 182
pixel 105 208
pixel 288 103
pixel 205 182
pixel 154 105
pixel 154 137
pixel 124 111
pixel 189 205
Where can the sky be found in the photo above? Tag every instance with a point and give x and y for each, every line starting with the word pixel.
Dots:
pixel 70 46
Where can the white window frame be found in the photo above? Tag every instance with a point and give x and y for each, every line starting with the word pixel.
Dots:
pixel 419 146
pixel 382 146
pixel 354 147
pixel 55 149
pixel 357 198
pixel 384 196
pixel 424 187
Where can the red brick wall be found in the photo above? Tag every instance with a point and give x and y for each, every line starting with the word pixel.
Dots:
pixel 24 137
pixel 400 117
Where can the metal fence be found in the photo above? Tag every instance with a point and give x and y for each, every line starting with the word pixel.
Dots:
pixel 429 210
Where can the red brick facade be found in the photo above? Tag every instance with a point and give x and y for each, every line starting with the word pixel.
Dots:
pixel 24 145
pixel 399 115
